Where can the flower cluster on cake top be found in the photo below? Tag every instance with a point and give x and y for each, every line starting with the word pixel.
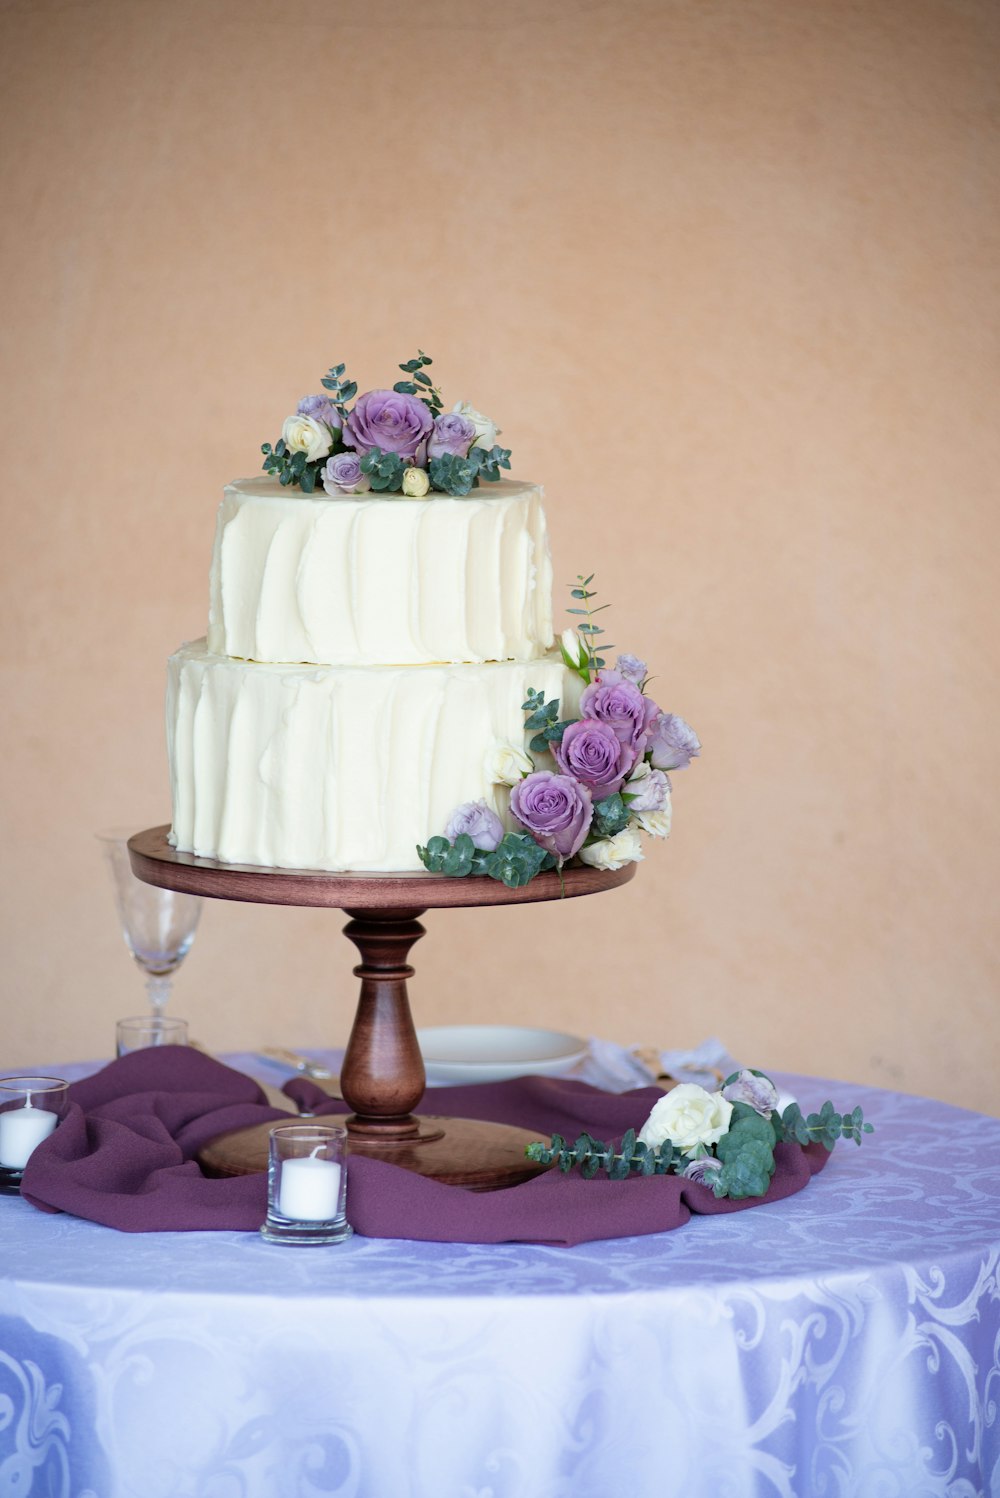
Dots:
pixel 601 779
pixel 398 441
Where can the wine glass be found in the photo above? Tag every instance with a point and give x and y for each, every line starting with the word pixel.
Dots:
pixel 158 924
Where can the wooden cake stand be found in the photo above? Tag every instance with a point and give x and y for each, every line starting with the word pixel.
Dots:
pixel 382 1079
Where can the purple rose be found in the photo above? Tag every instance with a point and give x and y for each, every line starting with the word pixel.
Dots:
pixel 621 705
pixel 479 822
pixel 555 809
pixel 320 408
pixel 593 753
pixel 452 434
pixel 648 792
pixel 703 1170
pixel 673 744
pixel 632 668
pixel 388 420
pixel 342 475
pixel 759 1092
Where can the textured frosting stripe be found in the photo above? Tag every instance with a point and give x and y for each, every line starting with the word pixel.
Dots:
pixel 369 581
pixel 335 767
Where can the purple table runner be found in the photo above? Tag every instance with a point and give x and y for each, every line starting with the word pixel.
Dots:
pixel 125 1157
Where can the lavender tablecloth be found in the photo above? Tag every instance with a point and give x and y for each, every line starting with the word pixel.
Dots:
pixel 843 1343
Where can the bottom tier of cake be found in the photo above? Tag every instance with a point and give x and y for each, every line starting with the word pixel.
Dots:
pixel 336 767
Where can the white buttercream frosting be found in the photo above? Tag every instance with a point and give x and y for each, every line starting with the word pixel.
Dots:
pixel 336 767
pixel 371 580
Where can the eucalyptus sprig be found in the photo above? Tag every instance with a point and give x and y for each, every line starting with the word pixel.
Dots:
pixel 515 861
pixel 543 721
pixel 420 383
pixel 452 474
pixel 291 468
pixel 342 390
pixel 588 630
pixel 743 1161
pixel 385 470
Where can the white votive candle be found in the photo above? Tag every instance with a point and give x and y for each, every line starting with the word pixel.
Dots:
pixel 21 1131
pixel 309 1189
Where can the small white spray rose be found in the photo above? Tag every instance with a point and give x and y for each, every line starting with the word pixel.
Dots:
pixel 487 431
pixel 415 483
pixel 687 1115
pixel 656 823
pixel 574 651
pixel 614 852
pixel 303 434
pixel 506 764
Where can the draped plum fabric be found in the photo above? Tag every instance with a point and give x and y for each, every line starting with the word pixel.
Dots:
pixel 125 1157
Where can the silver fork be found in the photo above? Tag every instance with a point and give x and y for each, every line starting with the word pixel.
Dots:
pixel 304 1065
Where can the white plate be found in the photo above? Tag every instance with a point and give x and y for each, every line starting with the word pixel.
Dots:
pixel 492 1053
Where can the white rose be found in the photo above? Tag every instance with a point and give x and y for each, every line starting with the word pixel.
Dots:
pixel 415 483
pixel 486 431
pixel 303 434
pixel 656 823
pixel 506 764
pixel 687 1116
pixel 574 651
pixel 614 852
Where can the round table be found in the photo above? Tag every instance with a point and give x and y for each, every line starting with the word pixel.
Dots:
pixel 843 1342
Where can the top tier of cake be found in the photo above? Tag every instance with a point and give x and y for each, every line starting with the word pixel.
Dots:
pixel 374 580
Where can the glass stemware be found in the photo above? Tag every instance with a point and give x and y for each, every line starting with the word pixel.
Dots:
pixel 158 925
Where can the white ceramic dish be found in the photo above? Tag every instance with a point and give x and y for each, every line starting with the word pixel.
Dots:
pixel 492 1053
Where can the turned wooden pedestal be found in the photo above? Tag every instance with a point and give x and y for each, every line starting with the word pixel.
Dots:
pixel 382 1078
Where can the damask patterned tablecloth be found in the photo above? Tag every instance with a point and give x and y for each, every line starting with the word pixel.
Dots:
pixel 842 1344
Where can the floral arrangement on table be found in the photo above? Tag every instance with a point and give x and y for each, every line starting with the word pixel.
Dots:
pixel 398 441
pixel 724 1140
pixel 598 783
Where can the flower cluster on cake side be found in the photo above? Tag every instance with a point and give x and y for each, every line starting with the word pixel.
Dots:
pixel 398 441
pixel 724 1140
pixel 597 784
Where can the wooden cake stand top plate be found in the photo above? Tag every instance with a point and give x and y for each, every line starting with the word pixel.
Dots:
pixel 155 862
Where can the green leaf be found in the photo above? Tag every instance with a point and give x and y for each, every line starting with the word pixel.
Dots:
pixel 451 474
pixel 405 387
pixel 423 379
pixel 610 816
pixel 746 1172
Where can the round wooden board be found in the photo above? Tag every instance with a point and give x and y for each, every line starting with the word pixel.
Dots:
pixel 155 862
pixel 481 1156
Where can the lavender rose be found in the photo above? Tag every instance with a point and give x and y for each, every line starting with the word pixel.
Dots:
pixel 759 1092
pixel 389 420
pixel 320 408
pixel 342 475
pixel 632 668
pixel 479 822
pixel 593 753
pixel 673 744
pixel 647 790
pixel 621 705
pixel 703 1171
pixel 452 433
pixel 555 809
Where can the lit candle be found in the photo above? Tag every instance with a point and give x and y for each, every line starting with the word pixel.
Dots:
pixel 309 1189
pixel 21 1130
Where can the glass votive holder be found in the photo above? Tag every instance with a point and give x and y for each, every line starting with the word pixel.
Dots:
pixel 30 1109
pixel 307 1184
pixel 144 1030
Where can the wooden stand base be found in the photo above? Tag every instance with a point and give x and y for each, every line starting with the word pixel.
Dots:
pixel 382 1078
pixel 458 1151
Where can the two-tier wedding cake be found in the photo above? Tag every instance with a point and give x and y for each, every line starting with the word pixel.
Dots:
pixel 380 619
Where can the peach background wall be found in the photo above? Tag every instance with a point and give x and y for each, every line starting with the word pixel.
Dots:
pixel 726 271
